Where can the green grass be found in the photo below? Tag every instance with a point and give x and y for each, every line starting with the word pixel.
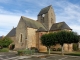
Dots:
pixel 74 54
pixel 4 50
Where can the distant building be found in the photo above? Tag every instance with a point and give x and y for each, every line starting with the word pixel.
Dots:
pixel 1 37
pixel 28 31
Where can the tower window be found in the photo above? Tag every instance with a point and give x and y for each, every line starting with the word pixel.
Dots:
pixel 43 15
pixel 43 20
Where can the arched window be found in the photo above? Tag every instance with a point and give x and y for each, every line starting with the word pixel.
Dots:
pixel 21 38
pixel 43 15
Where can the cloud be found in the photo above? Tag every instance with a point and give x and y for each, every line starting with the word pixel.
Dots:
pixel 64 11
pixel 8 19
pixel 76 28
pixel 7 22
pixel 68 12
pixel 15 12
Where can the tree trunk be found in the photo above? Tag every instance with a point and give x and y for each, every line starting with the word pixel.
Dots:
pixel 62 50
pixel 49 50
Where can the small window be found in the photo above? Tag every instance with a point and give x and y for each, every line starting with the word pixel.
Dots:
pixel 21 38
pixel 42 18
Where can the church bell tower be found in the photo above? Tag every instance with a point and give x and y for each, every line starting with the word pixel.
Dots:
pixel 47 17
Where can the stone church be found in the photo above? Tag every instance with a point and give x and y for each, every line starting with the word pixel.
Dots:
pixel 28 31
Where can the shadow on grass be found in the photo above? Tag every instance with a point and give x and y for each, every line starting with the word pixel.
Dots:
pixel 65 53
pixel 73 54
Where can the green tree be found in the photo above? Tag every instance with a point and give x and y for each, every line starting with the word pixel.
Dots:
pixel 67 37
pixel 5 42
pixel 48 40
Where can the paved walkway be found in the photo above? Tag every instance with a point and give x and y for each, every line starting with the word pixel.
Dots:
pixel 13 56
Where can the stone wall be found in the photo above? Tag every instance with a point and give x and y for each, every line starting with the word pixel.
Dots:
pixel 31 37
pixel 40 47
pixel 51 17
pixel 13 39
pixel 66 47
pixel 21 29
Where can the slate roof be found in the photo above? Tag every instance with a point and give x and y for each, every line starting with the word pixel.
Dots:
pixel 41 30
pixel 32 23
pixel 44 10
pixel 12 33
pixel 59 26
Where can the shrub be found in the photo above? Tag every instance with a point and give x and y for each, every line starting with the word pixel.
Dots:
pixel 25 52
pixel 59 49
pixel 4 50
pixel 20 52
pixel 75 46
pixel 5 42
pixel 34 49
pixel 53 49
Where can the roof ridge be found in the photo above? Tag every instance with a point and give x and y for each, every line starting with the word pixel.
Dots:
pixel 47 7
pixel 31 23
pixel 44 10
pixel 60 22
pixel 28 18
pixel 41 29
pixel 12 32
pixel 59 26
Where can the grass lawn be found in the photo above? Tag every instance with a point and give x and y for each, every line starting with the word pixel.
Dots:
pixel 4 50
pixel 73 54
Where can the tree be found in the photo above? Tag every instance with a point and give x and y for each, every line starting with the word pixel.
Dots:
pixel 48 40
pixel 67 37
pixel 5 42
pixel 60 37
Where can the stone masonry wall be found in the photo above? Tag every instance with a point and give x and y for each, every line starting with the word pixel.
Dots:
pixel 31 37
pixel 21 29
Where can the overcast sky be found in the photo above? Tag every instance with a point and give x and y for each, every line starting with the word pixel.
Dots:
pixel 11 11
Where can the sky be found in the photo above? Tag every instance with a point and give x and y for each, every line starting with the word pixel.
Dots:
pixel 11 11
